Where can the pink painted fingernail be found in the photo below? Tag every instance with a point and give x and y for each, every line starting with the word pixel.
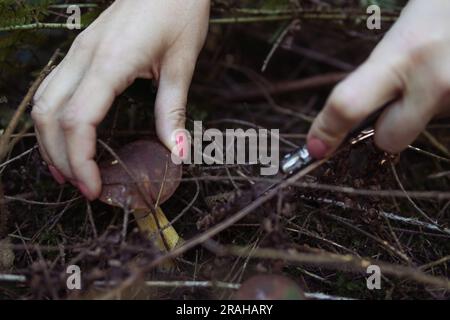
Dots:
pixel 56 174
pixel 317 148
pixel 182 143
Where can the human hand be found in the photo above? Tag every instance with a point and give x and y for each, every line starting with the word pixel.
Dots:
pixel 132 39
pixel 411 64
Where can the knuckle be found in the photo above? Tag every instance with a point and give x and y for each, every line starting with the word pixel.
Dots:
pixel 325 132
pixel 69 121
pixel 175 115
pixel 108 50
pixel 40 113
pixel 416 56
pixel 421 55
pixel 344 105
pixel 83 42
pixel 102 68
pixel 425 50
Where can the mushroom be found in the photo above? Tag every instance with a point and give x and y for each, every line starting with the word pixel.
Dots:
pixel 142 177
pixel 269 287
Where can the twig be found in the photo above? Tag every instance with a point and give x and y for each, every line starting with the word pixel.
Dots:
pixel 25 245
pixel 344 262
pixel 4 164
pixel 198 284
pixel 253 125
pixel 427 153
pixel 382 242
pixel 11 198
pixel 246 92
pixel 180 284
pixel 152 207
pixel 315 236
pixel 91 219
pixel 255 17
pixel 12 278
pixel 388 215
pixel 48 282
pixel 14 140
pixel 323 296
pixel 80 5
pixel 436 143
pixel 320 57
pixel 185 209
pixel 202 237
pixel 400 184
pixel 4 213
pixel 388 193
pixel 277 43
pixel 126 215
pixel 299 11
pixel 305 16
pixel 6 136
pixel 434 263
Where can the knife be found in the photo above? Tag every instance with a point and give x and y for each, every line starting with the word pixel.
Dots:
pixel 300 158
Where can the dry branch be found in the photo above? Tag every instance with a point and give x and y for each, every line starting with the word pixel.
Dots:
pixel 343 262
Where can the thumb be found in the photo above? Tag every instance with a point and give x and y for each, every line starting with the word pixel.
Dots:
pixel 170 107
pixel 367 89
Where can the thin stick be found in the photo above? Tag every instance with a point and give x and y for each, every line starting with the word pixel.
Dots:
pixel 400 184
pixel 434 263
pixel 344 262
pixel 91 219
pixel 216 229
pixel 198 284
pixel 40 203
pixel 277 43
pixel 126 215
pixel 387 215
pixel 6 136
pixel 382 242
pixel 18 157
pixel 185 209
pixel 247 92
pixel 152 207
pixel 180 284
pixel 12 278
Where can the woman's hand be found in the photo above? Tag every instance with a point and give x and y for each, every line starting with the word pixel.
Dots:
pixel 158 39
pixel 411 64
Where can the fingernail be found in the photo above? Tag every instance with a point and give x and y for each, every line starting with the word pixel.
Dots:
pixel 56 174
pixel 182 143
pixel 317 148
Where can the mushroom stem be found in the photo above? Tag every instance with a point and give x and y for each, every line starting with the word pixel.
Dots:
pixel 148 226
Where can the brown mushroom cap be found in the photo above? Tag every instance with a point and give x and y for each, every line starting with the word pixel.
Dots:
pixel 147 160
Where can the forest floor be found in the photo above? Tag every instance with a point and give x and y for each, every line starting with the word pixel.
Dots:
pixel 359 208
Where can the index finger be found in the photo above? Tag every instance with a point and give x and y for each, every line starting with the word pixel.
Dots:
pixel 86 109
